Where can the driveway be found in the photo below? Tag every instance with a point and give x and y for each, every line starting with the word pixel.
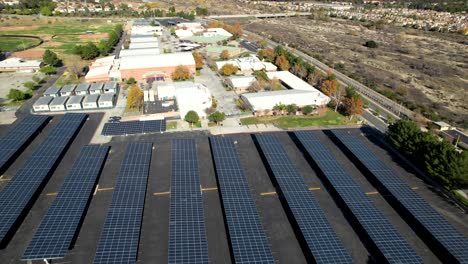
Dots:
pixel 224 98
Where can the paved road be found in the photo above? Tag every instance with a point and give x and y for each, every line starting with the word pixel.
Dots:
pixel 374 97
pixel 375 121
pixel 249 46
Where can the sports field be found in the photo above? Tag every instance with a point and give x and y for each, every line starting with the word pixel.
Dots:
pixel 16 43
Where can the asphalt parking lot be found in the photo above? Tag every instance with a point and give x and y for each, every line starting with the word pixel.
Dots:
pixel 154 234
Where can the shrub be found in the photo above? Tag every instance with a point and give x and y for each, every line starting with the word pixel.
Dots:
pixel 16 95
pixel 371 44
pixel 49 70
pixel 307 110
pixel 131 80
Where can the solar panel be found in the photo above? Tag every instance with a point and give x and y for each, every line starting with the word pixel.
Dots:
pixel 133 127
pixel 121 231
pixel 187 236
pixel 321 239
pixel 437 227
pixel 249 243
pixel 390 244
pixel 18 137
pixel 18 194
pixel 54 235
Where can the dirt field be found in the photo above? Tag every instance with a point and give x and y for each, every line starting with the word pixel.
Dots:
pixel 427 70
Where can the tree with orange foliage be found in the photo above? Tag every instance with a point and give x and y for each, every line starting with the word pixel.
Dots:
pixel 228 69
pixel 225 55
pixel 199 62
pixel 236 30
pixel 282 62
pixel 269 54
pixel 181 73
pixel 353 106
pixel 329 87
pixel 215 24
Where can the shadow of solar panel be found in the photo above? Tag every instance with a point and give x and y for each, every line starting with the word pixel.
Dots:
pixel 54 235
pixel 391 245
pixel 133 127
pixel 449 239
pixel 187 236
pixel 19 191
pixel 18 137
pixel 321 239
pixel 120 234
pixel 248 240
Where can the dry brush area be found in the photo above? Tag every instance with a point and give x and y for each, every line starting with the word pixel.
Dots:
pixel 428 70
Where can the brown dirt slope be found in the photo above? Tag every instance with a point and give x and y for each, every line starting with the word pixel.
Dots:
pixel 427 70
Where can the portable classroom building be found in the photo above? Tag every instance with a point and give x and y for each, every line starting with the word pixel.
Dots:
pixel 111 87
pixel 68 90
pixel 58 104
pixel 96 88
pixel 82 89
pixel 74 102
pixel 91 101
pixel 42 104
pixel 53 91
pixel 106 100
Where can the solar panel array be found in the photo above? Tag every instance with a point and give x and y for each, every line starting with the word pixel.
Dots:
pixel 187 236
pixel 133 127
pixel 248 240
pixel 321 239
pixel 392 246
pixel 455 243
pixel 120 234
pixel 54 235
pixel 19 191
pixel 24 131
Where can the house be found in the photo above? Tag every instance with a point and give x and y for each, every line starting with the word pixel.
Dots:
pixel 263 103
pixel 240 83
pixel 106 100
pixel 42 104
pixel 68 90
pixel 156 67
pixel 82 89
pixel 20 65
pixel 96 88
pixel 111 87
pixel 74 102
pixel 98 74
pixel 53 91
pixel 58 104
pixel 90 101
pixel 192 97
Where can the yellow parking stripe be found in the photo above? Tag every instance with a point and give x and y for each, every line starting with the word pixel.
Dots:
pixel 314 188
pixel 371 193
pixel 210 189
pixel 105 189
pixel 51 194
pixel 161 193
pixel 267 193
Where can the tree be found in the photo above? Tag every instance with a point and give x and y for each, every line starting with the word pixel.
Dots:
pixel 134 98
pixel 279 108
pixel 47 10
pixel 307 110
pixel 181 73
pixel 263 44
pixel 50 58
pixel 74 65
pixel 191 117
pixel 282 63
pixel 217 117
pixel 329 87
pixel 353 106
pixel 405 136
pixel 49 70
pixel 371 44
pixel 269 54
pixel 16 95
pixel 299 71
pixel 30 85
pixel 198 60
pixel 88 51
pixel 235 30
pixel 255 87
pixel 225 55
pixel 228 69
pixel 131 80
pixel 291 108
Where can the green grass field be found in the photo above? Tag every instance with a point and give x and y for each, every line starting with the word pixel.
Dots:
pixel 330 118
pixel 16 43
